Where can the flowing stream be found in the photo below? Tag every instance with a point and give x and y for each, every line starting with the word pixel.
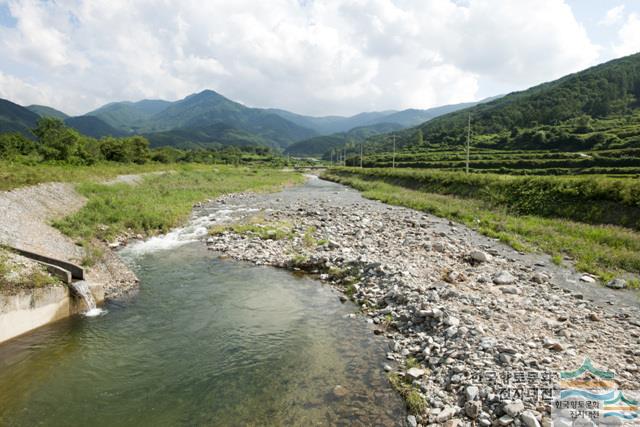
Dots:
pixel 205 341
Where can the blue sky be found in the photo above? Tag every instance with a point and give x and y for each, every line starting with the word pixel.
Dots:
pixel 315 57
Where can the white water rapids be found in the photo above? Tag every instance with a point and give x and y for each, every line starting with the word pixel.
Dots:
pixel 195 230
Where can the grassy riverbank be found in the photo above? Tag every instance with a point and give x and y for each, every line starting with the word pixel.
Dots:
pixel 603 250
pixel 15 174
pixel 161 202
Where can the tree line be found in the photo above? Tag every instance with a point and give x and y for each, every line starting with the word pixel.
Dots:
pixel 56 142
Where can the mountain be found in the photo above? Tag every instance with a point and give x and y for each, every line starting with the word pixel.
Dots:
pixel 86 125
pixel 206 108
pixel 320 145
pixel 44 111
pixel 555 115
pixel 129 116
pixel 15 118
pixel 92 126
pixel 336 124
pixel 393 122
pixel 212 136
pixel 332 124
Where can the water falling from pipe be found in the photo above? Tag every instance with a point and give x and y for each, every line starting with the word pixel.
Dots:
pixel 81 288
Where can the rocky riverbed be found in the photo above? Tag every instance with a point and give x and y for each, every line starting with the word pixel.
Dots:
pixel 476 330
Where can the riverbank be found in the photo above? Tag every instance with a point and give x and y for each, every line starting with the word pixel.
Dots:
pixel 82 222
pixel 454 305
pixel 579 221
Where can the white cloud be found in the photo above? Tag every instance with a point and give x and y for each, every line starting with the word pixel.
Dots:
pixel 613 16
pixel 629 36
pixel 316 57
pixel 13 88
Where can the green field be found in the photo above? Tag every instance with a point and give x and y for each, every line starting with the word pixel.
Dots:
pixel 625 161
pixel 565 217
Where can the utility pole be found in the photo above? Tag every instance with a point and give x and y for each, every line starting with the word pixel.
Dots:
pixel 361 153
pixel 468 140
pixel 344 157
pixel 393 163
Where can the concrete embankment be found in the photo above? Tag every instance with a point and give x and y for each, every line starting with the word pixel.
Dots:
pixel 30 309
pixel 27 214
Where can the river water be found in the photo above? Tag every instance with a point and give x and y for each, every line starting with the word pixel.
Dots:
pixel 205 341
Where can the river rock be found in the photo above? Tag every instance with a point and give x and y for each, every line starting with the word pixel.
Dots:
pixel 617 284
pixel 553 344
pixel 480 256
pixel 513 290
pixel 473 409
pixel 529 420
pixel 453 422
pixel 505 420
pixel 447 413
pixel 471 392
pixel 415 373
pixel 340 391
pixel 438 247
pixel 513 409
pixel 503 278
pixel 411 421
pixel 540 277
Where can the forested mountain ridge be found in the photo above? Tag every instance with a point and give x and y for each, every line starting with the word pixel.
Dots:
pixel 321 145
pixel 545 115
pixel 129 116
pixel 207 108
pixel 15 118
pixel 44 111
pixel 397 121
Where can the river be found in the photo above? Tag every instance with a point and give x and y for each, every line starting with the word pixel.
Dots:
pixel 205 341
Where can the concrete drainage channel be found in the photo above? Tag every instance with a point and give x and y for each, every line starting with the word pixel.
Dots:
pixel 30 309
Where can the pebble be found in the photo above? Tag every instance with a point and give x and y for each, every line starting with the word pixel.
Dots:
pixel 446 413
pixel 513 409
pixel 340 391
pixel 528 419
pixel 415 373
pixel 480 256
pixel 503 278
pixel 617 284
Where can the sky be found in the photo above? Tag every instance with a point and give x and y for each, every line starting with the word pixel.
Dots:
pixel 316 57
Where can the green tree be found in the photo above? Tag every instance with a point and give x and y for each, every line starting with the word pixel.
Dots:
pixel 15 144
pixel 114 149
pixel 139 149
pixel 56 141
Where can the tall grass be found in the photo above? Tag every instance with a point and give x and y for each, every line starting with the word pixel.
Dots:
pixel 14 175
pixel 595 200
